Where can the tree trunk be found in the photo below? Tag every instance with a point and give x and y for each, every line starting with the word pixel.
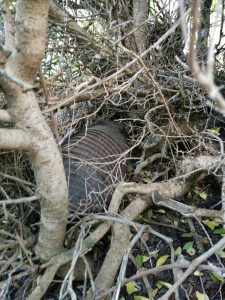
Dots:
pixel 35 137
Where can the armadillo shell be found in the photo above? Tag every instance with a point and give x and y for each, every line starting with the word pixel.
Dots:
pixel 94 165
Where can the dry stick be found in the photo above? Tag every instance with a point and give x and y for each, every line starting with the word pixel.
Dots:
pixel 47 278
pixel 28 244
pixel 152 80
pixel 26 252
pixel 223 194
pixel 20 200
pixel 17 179
pixel 122 273
pixel 194 264
pixel 56 262
pixel 8 263
pixel 121 70
pixel 205 78
pixel 172 188
pixel 106 275
pixel 156 270
pixel 66 288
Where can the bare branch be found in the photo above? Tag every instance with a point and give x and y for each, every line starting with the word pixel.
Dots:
pixel 44 156
pixel 14 139
pixel 21 200
pixel 116 75
pixel 156 270
pixel 9 26
pixel 204 77
pixel 212 41
pixel 29 40
pixel 194 264
pixel 140 16
pixel 60 17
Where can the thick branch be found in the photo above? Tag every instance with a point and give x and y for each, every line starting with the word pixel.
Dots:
pixel 13 139
pixel 8 25
pixel 140 16
pixel 31 23
pixel 44 155
pixel 205 78
pixel 174 187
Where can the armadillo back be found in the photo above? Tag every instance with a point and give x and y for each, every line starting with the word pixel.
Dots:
pixel 93 165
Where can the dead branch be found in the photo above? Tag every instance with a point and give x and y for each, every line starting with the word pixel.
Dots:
pixel 116 75
pixel 176 187
pixel 60 17
pixel 156 270
pixel 194 264
pixel 205 77
pixel 21 200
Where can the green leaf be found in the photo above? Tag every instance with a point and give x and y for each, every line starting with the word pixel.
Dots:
pixel 187 235
pixel 201 296
pixel 210 224
pixel 162 260
pixel 145 258
pixel 215 130
pixel 219 231
pixel 140 298
pixel 189 195
pixel 161 284
pixel 178 251
pixel 155 292
pixel 216 278
pixel 198 273
pixel 131 287
pixel 221 253
pixel 150 214
pixel 175 222
pixel 188 245
pixel 203 195
pixel 191 251
pixel 189 248
pixel 162 211
pixel 140 259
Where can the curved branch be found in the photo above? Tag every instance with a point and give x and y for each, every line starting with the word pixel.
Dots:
pixel 205 78
pixel 13 139
pixel 44 156
pixel 173 188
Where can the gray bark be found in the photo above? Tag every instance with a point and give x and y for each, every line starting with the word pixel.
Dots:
pixel 21 66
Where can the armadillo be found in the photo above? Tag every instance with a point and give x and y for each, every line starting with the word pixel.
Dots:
pixel 94 163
